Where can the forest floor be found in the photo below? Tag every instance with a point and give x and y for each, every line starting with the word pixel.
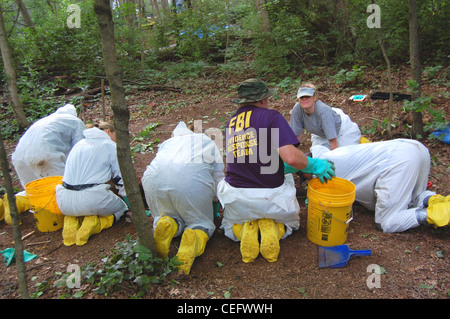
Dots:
pixel 415 264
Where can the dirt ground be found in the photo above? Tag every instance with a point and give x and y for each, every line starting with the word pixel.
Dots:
pixel 415 264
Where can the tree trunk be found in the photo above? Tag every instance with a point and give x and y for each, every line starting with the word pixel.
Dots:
pixel 165 5
pixel 102 9
pixel 391 94
pixel 25 15
pixel 416 71
pixel 20 263
pixel 11 76
pixel 263 16
pixel 141 33
pixel 50 6
pixel 131 18
pixel 155 8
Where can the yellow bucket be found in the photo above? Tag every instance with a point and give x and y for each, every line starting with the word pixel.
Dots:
pixel 329 211
pixel 42 195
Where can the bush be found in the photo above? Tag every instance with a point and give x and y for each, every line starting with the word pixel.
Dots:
pixel 131 265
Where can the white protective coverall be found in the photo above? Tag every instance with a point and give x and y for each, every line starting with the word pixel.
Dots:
pixel 43 149
pixel 349 133
pixel 390 177
pixel 247 204
pixel 92 161
pixel 181 181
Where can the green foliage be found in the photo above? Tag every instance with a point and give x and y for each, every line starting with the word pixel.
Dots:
pixel 130 265
pixel 425 104
pixel 140 144
pixel 197 34
pixel 185 69
pixel 287 45
pixel 353 76
pixel 54 47
pixel 202 31
pixel 437 74
pixel 301 32
pixel 148 129
pixel 288 84
pixel 38 98
pixel 377 127
pixel 217 35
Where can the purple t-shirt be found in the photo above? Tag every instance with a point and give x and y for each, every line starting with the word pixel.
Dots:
pixel 253 136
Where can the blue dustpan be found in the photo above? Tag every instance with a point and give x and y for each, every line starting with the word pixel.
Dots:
pixel 338 256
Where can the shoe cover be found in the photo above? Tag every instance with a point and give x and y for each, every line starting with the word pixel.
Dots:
pixel 248 235
pixel 363 140
pixel 2 210
pixel 193 243
pixel 22 203
pixel 70 228
pixel 165 230
pixel 437 199
pixel 438 211
pixel 92 225
pixel 271 234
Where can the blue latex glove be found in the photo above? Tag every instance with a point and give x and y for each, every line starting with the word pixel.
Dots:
pixel 10 253
pixel 125 199
pixel 322 168
pixel 216 207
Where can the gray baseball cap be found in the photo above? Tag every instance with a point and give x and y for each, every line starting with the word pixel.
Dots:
pixel 305 91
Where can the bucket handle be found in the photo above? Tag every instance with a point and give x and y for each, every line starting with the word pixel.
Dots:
pixel 46 205
pixel 331 215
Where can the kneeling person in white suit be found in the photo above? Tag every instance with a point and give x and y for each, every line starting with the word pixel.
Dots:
pixel 42 152
pixel 180 187
pixel 85 197
pixel 391 179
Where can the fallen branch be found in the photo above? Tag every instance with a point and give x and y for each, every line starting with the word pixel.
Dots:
pixel 39 243
pixel 143 85
pixel 158 88
pixel 26 236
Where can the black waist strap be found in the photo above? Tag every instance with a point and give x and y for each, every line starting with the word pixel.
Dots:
pixel 78 187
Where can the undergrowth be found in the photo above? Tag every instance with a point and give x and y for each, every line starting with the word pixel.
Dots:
pixel 130 269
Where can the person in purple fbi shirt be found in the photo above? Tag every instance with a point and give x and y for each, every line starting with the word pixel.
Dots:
pixel 256 194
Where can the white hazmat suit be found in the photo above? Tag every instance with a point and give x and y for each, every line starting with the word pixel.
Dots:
pixel 390 177
pixel 91 164
pixel 247 204
pixel 43 149
pixel 181 181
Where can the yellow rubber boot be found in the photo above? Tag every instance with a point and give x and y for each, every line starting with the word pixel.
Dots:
pixel 22 203
pixel 2 210
pixel 435 199
pixel 438 211
pixel 364 140
pixel 92 225
pixel 193 243
pixel 165 230
pixel 248 235
pixel 70 229
pixel 271 234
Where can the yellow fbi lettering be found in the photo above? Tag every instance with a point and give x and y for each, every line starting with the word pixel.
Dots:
pixel 241 144
pixel 245 140
pixel 240 122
